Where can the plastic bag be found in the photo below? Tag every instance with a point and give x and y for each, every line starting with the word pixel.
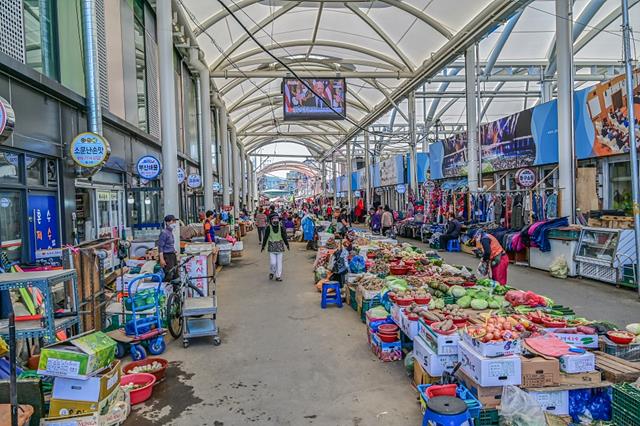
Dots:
pixel 409 362
pixel 321 273
pixel 483 269
pixel 559 267
pixel 357 264
pixel 520 409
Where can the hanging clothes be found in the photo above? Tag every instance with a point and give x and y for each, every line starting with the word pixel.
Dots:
pixel 551 206
pixel 517 211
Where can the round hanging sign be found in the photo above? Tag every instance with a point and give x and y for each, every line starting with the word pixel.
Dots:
pixel 429 185
pixel 356 194
pixel 7 119
pixel 379 191
pixel 526 178
pixel 89 150
pixel 217 187
pixel 194 181
pixel 181 175
pixel 5 202
pixel 148 167
pixel 401 188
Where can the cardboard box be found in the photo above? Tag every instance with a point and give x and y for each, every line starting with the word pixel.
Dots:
pixel 430 361
pixel 580 340
pixel 487 371
pixel 493 349
pixel 63 407
pixel 93 389
pixel 539 372
pixel 578 363
pixel 420 377
pixel 386 351
pixel 587 378
pixel 79 357
pixel 489 396
pixel 409 328
pixel 117 413
pixel 554 402
pixel 201 266
pixel 440 343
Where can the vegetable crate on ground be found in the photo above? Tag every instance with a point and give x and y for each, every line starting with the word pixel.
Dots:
pixel 487 417
pixel 367 304
pixel 616 370
pixel 462 392
pixel 626 405
pixel 626 352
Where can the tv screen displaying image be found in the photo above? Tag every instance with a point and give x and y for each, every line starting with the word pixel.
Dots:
pixel 325 102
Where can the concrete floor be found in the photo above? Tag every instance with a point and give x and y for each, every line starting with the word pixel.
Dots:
pixel 283 360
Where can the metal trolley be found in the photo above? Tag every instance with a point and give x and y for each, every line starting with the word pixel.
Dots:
pixel 199 316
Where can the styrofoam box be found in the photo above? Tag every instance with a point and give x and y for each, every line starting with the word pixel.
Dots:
pixel 581 340
pixel 501 371
pixel 493 349
pixel 431 362
pixel 442 344
pixel 578 363
pixel 554 402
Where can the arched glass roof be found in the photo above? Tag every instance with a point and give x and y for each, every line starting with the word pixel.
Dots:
pixel 387 48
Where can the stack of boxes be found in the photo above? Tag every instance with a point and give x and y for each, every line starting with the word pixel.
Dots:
pixel 435 353
pixel 86 377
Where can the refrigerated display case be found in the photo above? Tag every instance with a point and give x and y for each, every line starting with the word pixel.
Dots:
pixel 603 253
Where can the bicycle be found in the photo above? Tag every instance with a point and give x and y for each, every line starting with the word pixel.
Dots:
pixel 175 302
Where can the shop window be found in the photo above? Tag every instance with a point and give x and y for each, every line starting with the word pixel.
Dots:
pixel 11 217
pixel 40 36
pixel 9 167
pixel 34 170
pixel 620 186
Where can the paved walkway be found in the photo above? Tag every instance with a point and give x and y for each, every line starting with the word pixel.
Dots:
pixel 283 360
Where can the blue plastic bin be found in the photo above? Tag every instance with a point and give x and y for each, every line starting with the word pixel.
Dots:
pixel 461 392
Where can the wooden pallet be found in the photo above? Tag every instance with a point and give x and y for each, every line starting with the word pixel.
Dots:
pixel 615 369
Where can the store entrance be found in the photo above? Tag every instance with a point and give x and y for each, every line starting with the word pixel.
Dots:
pixel 99 213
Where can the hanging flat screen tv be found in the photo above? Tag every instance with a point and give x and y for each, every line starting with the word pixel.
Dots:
pixel 325 102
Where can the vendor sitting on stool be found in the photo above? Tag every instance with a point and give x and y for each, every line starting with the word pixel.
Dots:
pixel 493 255
pixel 452 231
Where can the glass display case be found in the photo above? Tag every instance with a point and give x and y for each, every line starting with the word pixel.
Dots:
pixel 602 253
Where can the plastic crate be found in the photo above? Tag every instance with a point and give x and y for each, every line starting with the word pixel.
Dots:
pixel 368 304
pixel 474 406
pixel 487 417
pixel 626 405
pixel 352 299
pixel 449 300
pixel 627 278
pixel 626 352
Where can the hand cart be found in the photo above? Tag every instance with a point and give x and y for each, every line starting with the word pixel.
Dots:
pixel 199 316
pixel 141 331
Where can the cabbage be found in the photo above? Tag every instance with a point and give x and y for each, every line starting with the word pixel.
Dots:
pixel 464 302
pixel 479 304
pixel 634 328
pixel 457 291
pixel 494 303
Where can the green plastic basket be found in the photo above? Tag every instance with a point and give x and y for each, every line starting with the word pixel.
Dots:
pixel 488 417
pixel 366 305
pixel 352 299
pixel 626 405
pixel 449 300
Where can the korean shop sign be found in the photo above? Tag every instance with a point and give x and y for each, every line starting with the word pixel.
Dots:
pixel 89 150
pixel 7 119
pixel 148 167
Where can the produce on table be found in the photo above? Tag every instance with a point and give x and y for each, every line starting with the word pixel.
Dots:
pixel 371 282
pixel 621 337
pixel 380 268
pixel 529 298
pixel 454 312
pixel 444 327
pixel 497 329
pixel 479 304
pixel 457 291
pixel 436 303
pixel 635 330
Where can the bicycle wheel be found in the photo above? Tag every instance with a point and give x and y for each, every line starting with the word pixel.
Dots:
pixel 174 315
pixel 196 289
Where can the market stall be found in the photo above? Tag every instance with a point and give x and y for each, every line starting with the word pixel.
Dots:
pixel 506 353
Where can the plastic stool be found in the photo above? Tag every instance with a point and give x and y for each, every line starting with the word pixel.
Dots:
pixel 446 411
pixel 453 245
pixel 334 299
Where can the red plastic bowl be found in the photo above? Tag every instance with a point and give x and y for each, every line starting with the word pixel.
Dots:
pixel 390 328
pixel 141 394
pixel 159 374
pixel 403 302
pixel 409 262
pixel 445 333
pixel 371 255
pixel 620 337
pixel 388 338
pixel 422 300
pixel 398 270
pixel 441 390
pixel 460 323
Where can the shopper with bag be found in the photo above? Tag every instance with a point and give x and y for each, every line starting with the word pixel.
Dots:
pixel 275 239
pixel 493 255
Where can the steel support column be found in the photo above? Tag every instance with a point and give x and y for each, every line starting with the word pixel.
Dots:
pixel 243 180
pixel 411 109
pixel 347 174
pixel 323 190
pixel 367 171
pixel 635 185
pixel 207 143
pixel 566 150
pixel 472 118
pixel 235 163
pixel 223 138
pixel 164 19
pixel 334 171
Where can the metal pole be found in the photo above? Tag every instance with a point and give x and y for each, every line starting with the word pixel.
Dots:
pixel 90 51
pixel 566 150
pixel 243 180
pixel 635 185
pixel 167 108
pixel 472 116
pixel 367 171
pixel 347 175
pixel 223 129
pixel 413 179
pixel 478 119
pixel 207 143
pixel 323 190
pixel 335 180
pixel 235 162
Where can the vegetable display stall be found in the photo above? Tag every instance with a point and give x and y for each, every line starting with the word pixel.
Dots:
pixel 504 344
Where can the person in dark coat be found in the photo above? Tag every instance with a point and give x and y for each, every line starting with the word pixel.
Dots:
pixel 452 231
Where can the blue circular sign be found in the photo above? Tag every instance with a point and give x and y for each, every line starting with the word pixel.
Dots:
pixel 181 175
pixel 89 150
pixel 194 181
pixel 148 167
pixel 7 119
pixel 216 186
pixel 401 188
